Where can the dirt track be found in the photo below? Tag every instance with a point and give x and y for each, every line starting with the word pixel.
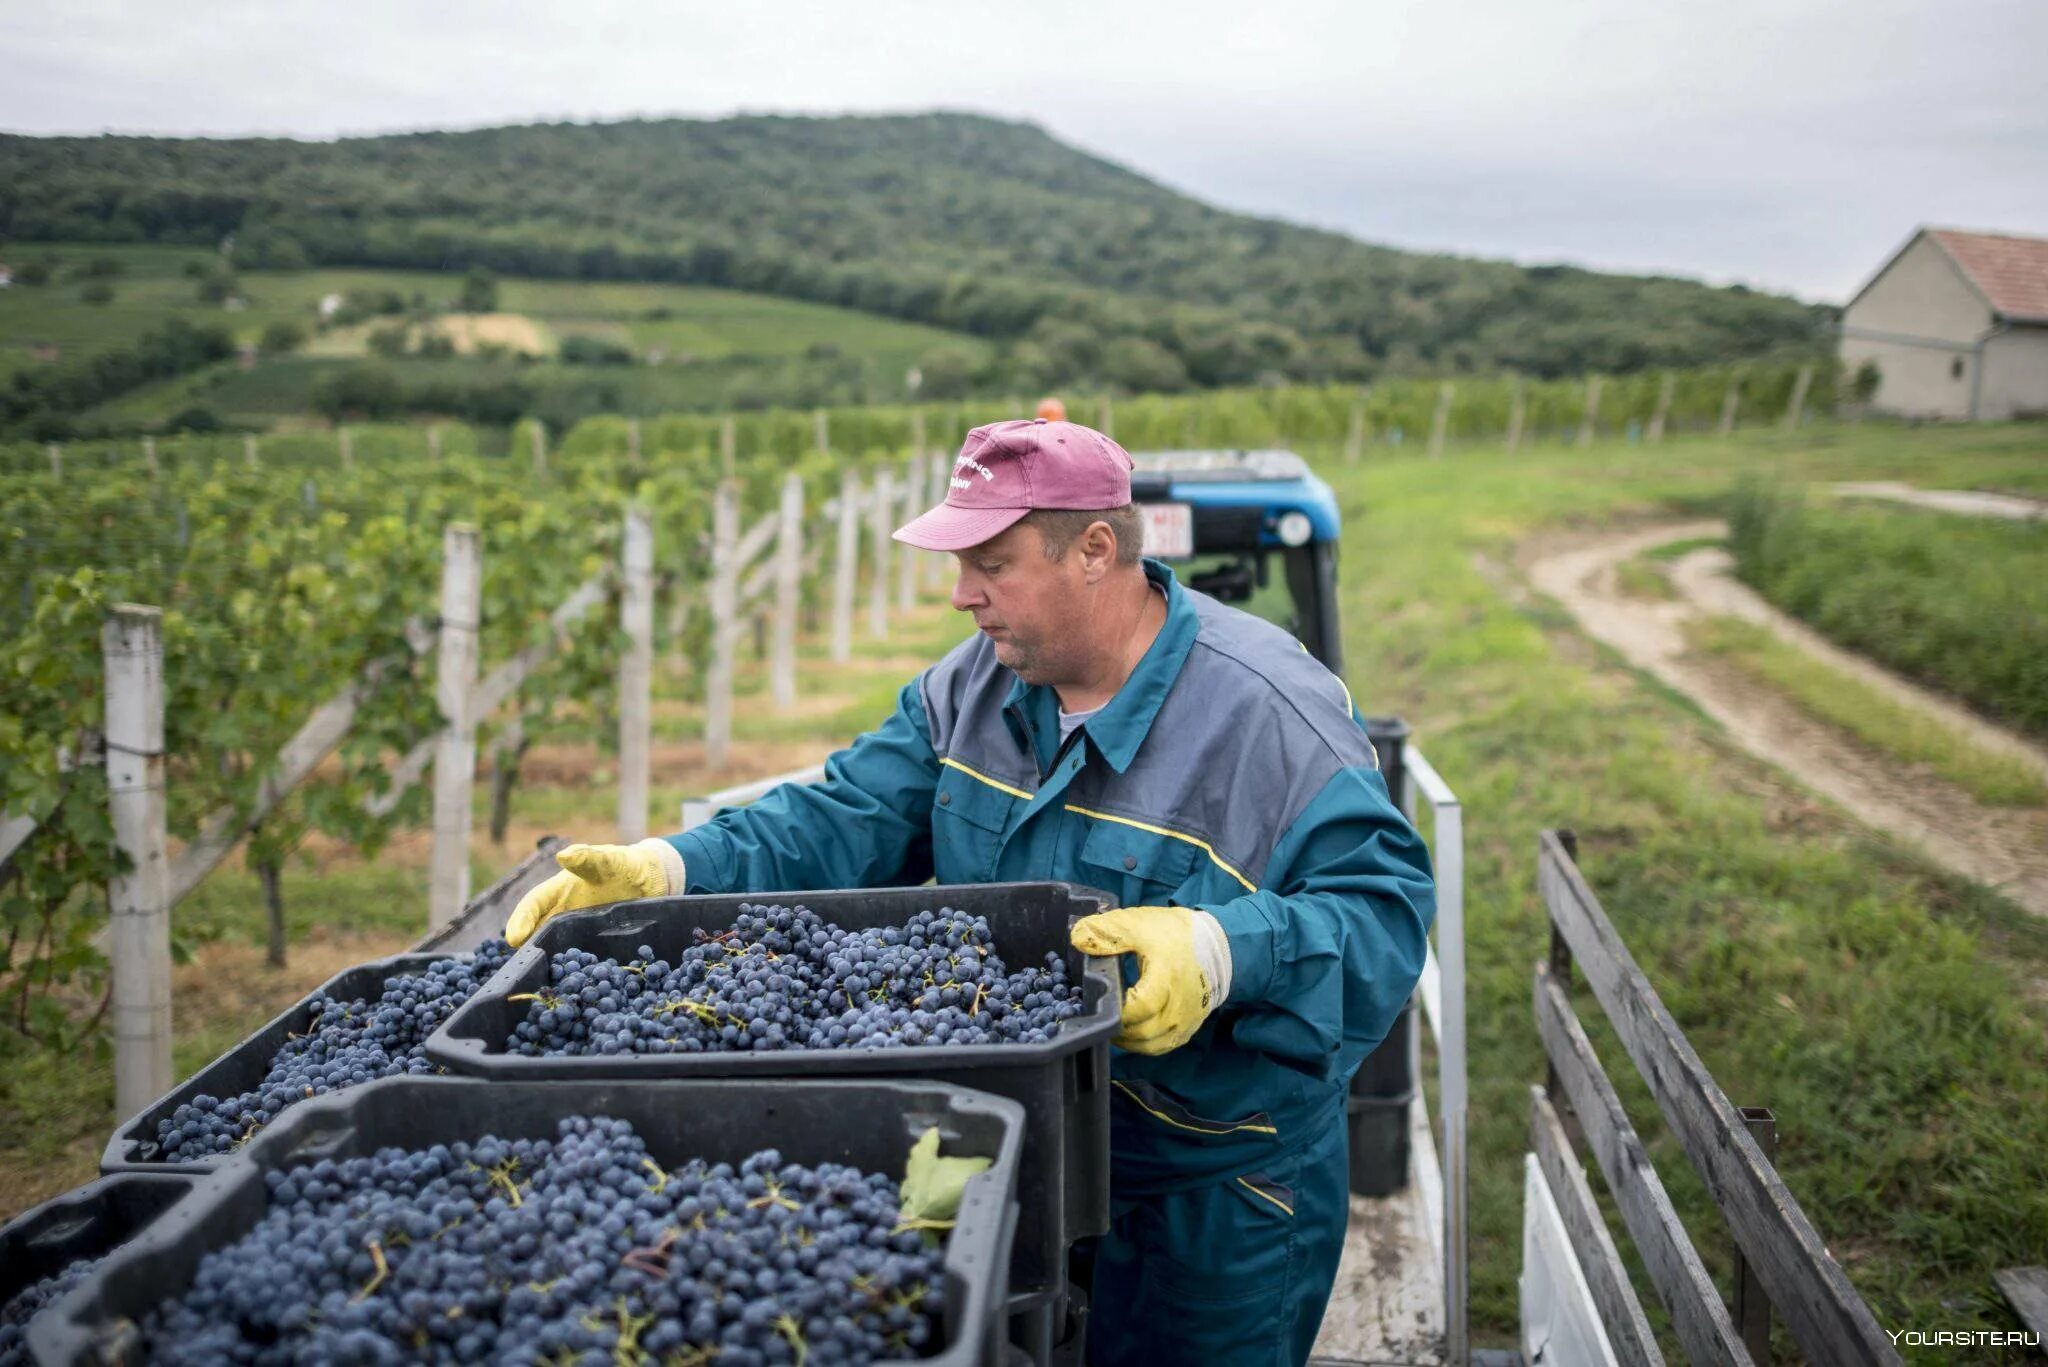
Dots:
pixel 2002 848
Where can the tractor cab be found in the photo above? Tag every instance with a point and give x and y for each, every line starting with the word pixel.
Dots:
pixel 1256 529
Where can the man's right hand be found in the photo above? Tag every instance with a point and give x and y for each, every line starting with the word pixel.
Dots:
pixel 595 876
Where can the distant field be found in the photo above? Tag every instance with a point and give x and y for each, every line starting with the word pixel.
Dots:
pixel 709 344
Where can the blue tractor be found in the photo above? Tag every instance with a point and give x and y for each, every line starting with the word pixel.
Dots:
pixel 1258 529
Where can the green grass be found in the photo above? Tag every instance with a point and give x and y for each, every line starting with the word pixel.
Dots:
pixel 1957 603
pixel 1893 1017
pixel 1890 1015
pixel 1638 577
pixel 1905 733
pixel 716 342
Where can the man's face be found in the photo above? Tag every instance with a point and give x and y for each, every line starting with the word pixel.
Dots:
pixel 1023 602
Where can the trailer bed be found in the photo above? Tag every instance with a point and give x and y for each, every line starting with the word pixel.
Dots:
pixel 1387 1309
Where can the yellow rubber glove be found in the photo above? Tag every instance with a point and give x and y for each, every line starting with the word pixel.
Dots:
pixel 1183 970
pixel 595 876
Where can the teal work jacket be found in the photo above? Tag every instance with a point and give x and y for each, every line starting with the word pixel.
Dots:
pixel 1229 773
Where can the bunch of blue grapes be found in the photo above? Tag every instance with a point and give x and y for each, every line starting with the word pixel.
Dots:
pixel 343 1044
pixel 576 1249
pixel 25 1304
pixel 783 978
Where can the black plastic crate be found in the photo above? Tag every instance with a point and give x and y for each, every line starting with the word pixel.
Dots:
pixel 869 1124
pixel 134 1148
pixel 1062 1084
pixel 84 1223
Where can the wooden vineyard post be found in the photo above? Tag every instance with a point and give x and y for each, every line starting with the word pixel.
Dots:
pixel 1730 402
pixel 725 535
pixel 455 751
pixel 728 448
pixel 434 441
pixel 1354 434
pixel 149 457
pixel 789 568
pixel 821 431
pixel 880 505
pixel 540 450
pixel 907 560
pixel 249 452
pixel 1518 412
pixel 1440 421
pixel 1666 389
pixel 1108 418
pixel 1796 409
pixel 633 441
pixel 1592 414
pixel 845 567
pixel 56 454
pixel 343 448
pixel 138 901
pixel 636 675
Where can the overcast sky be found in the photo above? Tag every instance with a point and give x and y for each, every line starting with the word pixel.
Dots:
pixel 1786 143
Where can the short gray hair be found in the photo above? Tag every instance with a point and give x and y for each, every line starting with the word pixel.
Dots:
pixel 1060 528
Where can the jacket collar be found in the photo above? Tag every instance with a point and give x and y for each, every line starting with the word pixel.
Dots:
pixel 1121 726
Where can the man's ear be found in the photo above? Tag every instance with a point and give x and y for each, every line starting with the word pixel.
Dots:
pixel 1098 551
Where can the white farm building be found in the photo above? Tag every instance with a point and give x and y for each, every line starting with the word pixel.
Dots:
pixel 1957 325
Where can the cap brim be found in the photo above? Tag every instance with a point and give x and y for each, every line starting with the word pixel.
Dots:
pixel 946 528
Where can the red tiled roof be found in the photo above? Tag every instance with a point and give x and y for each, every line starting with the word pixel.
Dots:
pixel 2011 271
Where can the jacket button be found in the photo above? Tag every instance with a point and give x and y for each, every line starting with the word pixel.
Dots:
pixel 1130 861
pixel 945 799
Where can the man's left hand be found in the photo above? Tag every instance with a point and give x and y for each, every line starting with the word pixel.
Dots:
pixel 1183 970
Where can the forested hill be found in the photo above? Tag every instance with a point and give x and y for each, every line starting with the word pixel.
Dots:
pixel 963 221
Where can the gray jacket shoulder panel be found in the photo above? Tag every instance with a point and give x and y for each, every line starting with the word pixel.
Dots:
pixel 963 698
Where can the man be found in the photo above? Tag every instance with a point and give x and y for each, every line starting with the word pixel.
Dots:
pixel 1107 726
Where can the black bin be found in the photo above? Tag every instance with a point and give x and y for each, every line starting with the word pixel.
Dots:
pixel 134 1148
pixel 1063 1084
pixel 88 1222
pixel 1376 1112
pixel 869 1124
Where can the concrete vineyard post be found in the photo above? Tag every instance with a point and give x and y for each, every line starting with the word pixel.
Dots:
pixel 1666 388
pixel 343 447
pixel 917 434
pixel 636 674
pixel 821 431
pixel 1440 421
pixel 1796 409
pixel 433 442
pixel 1354 434
pixel 249 451
pixel 907 561
pixel 633 441
pixel 725 535
pixel 940 473
pixel 149 457
pixel 138 901
pixel 1730 402
pixel 540 450
pixel 56 454
pixel 1592 414
pixel 455 751
pixel 880 505
pixel 845 567
pixel 728 448
pixel 1108 423
pixel 1518 412
pixel 789 565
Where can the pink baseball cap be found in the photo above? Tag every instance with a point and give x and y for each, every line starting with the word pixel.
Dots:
pixel 1007 469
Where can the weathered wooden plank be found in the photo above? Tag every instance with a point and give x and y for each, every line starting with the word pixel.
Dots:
pixel 1826 1317
pixel 1697 1314
pixel 485 916
pixel 1628 1329
pixel 2027 1289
